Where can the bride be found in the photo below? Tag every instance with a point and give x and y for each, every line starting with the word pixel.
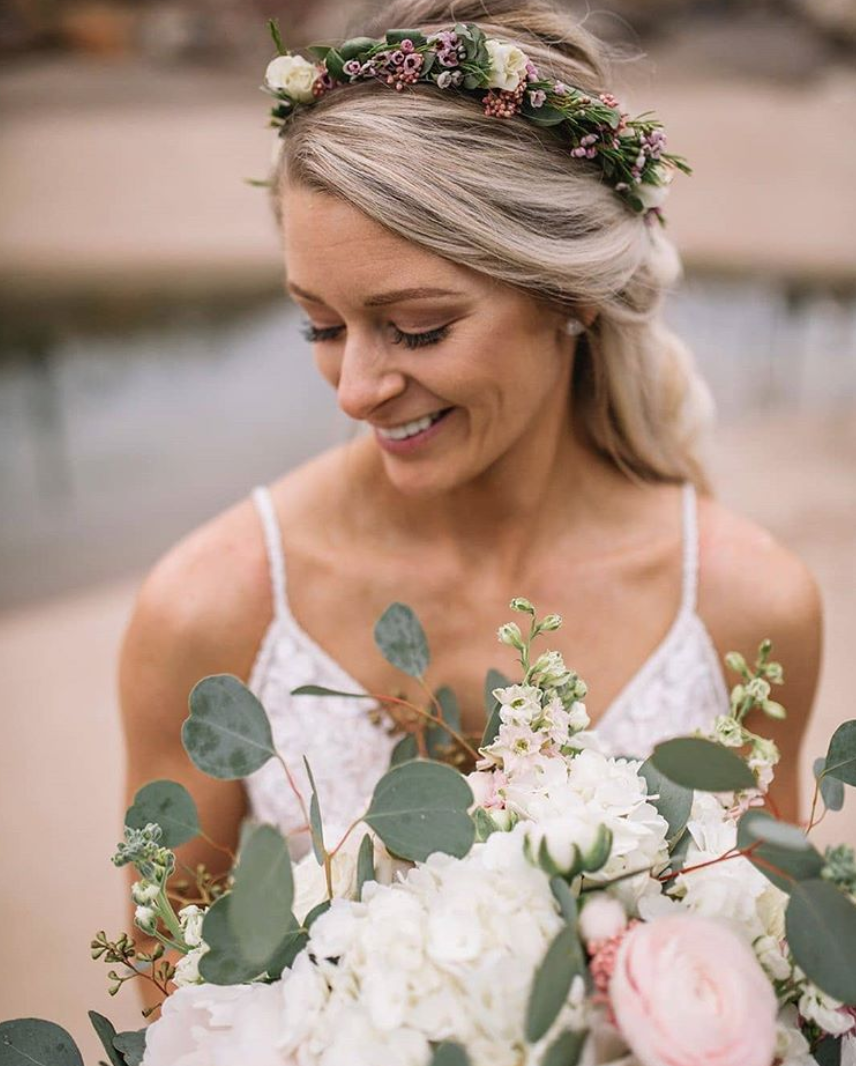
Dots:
pixel 487 307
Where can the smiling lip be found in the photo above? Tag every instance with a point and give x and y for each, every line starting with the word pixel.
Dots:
pixel 411 444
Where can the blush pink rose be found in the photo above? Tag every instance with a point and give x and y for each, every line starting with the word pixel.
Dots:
pixel 686 991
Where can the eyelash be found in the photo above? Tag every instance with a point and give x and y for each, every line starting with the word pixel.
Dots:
pixel 316 334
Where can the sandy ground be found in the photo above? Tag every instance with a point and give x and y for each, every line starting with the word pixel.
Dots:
pixel 61 767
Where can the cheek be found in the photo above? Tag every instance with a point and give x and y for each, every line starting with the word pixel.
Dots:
pixel 327 364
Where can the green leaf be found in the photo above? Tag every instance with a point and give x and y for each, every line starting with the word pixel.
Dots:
pixel 697 763
pixel 262 895
pixel 227 735
pixel 397 36
pixel 105 1032
pixel 781 834
pixel 439 739
pixel 365 864
pixel 132 1046
pixel 421 807
pixel 401 639
pixel 542 116
pixel 295 941
pixel 841 756
pixel 34 1042
pixel 472 81
pixel 352 47
pixel 784 866
pixel 820 927
pixel 335 65
pixel 494 679
pixel 320 690
pixel 831 789
pixel 316 912
pixel 448 1054
pixel 828 1051
pixel 319 51
pixel 223 963
pixel 171 806
pixel 566 1049
pixel 674 802
pixel 315 823
pixel 552 982
pixel 273 27
pixel 405 750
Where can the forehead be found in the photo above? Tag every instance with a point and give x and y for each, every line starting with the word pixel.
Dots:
pixel 331 248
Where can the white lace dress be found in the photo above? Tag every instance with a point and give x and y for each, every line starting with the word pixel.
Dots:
pixel 678 689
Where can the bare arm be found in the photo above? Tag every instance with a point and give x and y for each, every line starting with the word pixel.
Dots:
pixel 753 588
pixel 187 625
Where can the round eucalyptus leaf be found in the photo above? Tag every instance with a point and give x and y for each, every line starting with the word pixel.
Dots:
pixel 401 639
pixel 841 756
pixel 437 737
pixel 552 982
pixel 783 865
pixel 673 802
pixel 132 1046
pixel 321 690
pixel 449 1054
pixel 171 806
pixel 405 750
pixel 227 735
pixel 820 926
pixel 696 763
pixel 783 835
pixel 831 789
pixel 421 807
pixel 223 963
pixel 34 1042
pixel 365 864
pixel 104 1030
pixel 260 909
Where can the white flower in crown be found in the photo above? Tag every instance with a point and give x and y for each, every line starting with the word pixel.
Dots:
pixel 507 65
pixel 293 75
pixel 656 195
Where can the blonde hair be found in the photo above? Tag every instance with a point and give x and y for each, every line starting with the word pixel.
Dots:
pixel 504 198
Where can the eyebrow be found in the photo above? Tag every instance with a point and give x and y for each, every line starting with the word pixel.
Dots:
pixel 382 298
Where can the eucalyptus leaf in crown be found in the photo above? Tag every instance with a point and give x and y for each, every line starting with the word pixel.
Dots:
pixel 629 152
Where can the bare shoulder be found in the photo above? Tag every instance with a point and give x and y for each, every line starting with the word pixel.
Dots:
pixel 751 586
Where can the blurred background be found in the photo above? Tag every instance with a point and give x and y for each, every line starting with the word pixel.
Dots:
pixel 152 372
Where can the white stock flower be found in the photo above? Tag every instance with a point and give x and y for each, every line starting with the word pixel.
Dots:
pixel 519 704
pixel 293 75
pixel 190 918
pixel 792 1048
pixel 507 65
pixel 824 1011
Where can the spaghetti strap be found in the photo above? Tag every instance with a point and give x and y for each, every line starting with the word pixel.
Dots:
pixel 273 544
pixel 690 552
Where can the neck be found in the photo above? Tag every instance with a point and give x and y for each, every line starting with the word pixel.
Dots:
pixel 549 483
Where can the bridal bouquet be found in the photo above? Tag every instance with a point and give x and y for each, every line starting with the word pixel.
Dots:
pixel 551 907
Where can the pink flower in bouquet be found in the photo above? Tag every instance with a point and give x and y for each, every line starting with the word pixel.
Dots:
pixel 686 991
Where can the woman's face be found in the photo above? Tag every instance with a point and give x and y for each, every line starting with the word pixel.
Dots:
pixel 451 370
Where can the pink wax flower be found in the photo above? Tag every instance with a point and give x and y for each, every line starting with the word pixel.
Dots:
pixel 686 991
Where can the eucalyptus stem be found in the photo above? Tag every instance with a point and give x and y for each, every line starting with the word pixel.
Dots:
pixel 425 714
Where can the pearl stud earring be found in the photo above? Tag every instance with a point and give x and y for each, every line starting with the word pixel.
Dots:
pixel 573 327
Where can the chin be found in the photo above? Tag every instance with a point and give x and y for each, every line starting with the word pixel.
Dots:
pixel 422 481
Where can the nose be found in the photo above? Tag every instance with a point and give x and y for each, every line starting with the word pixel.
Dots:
pixel 365 380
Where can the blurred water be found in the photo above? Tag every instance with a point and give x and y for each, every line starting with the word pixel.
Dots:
pixel 111 449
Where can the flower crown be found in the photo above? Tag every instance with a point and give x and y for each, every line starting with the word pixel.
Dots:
pixel 630 153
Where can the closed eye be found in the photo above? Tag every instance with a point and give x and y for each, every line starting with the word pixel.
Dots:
pixel 419 340
pixel 318 333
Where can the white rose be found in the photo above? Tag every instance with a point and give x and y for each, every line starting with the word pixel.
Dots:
pixel 507 65
pixel 655 195
pixel 294 75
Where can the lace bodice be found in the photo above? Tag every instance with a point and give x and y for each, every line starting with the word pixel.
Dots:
pixel 678 689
